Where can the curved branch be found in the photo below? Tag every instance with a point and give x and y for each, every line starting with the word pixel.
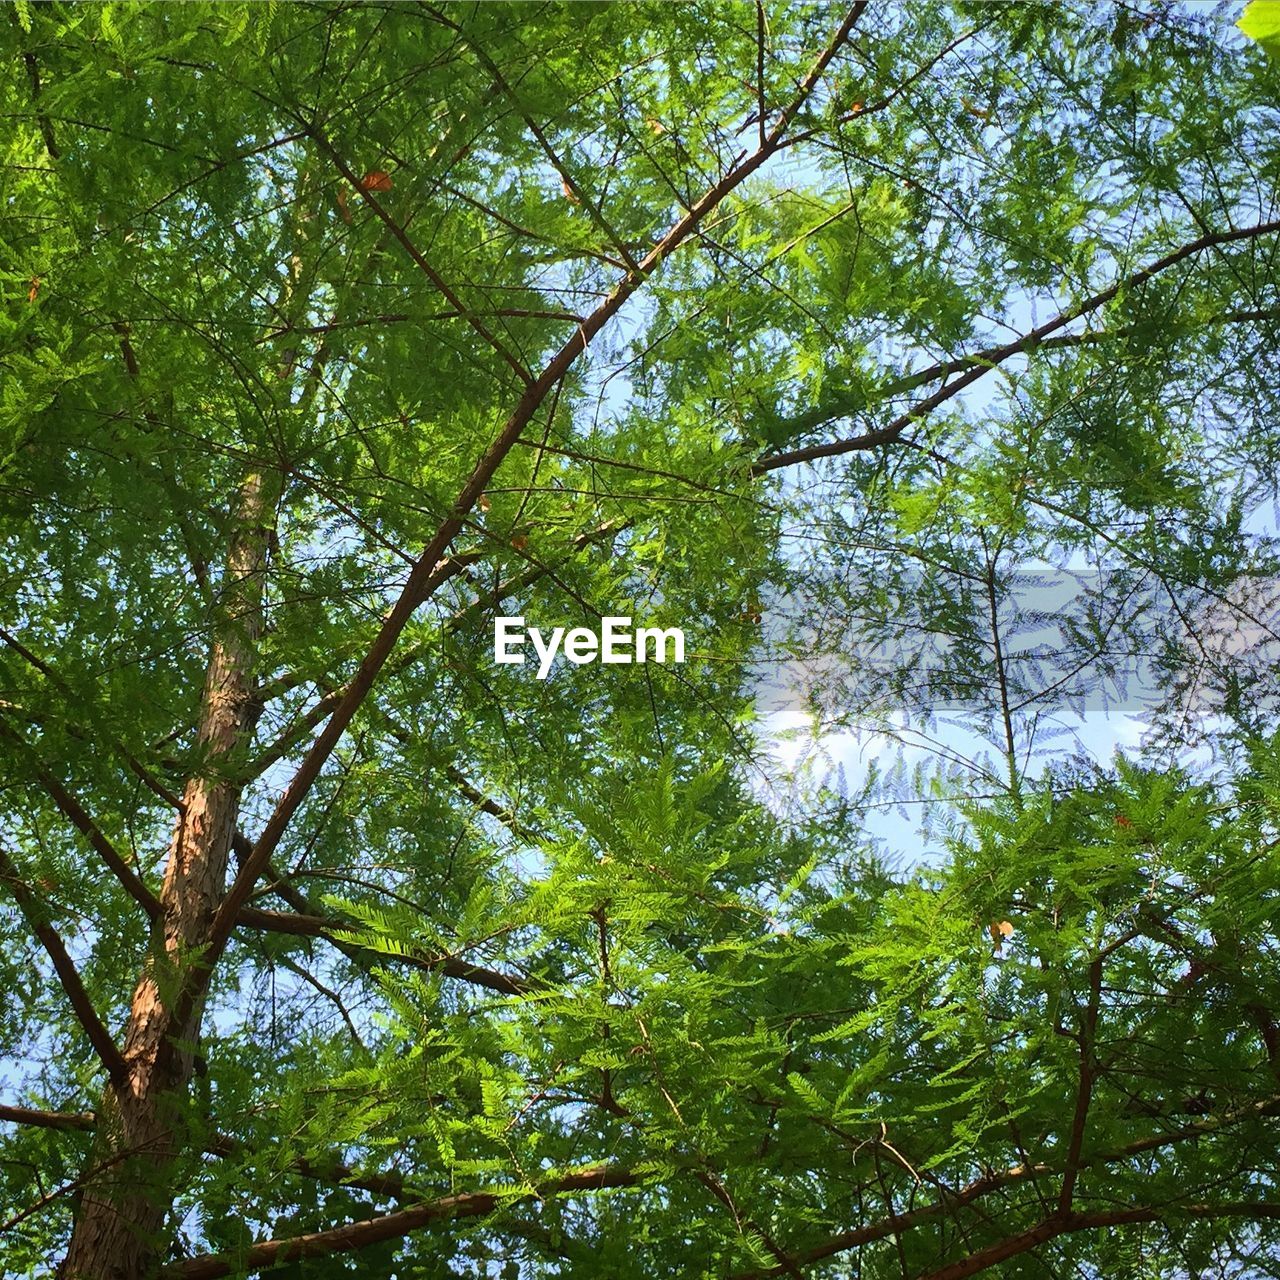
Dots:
pixel 844 405
pixel 978 366
pixel 314 926
pixel 388 1226
pixel 75 813
pixel 1051 1228
pixel 33 911
pixel 985 1186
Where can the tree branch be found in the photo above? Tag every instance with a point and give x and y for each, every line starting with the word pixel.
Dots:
pixel 75 813
pixel 425 576
pixel 1084 1089
pixel 1063 1224
pixel 419 260
pixel 33 912
pixel 81 1120
pixel 390 1226
pixel 314 926
pixel 845 404
pixel 979 365
pixel 985 1186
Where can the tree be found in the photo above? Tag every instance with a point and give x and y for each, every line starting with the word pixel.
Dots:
pixel 332 333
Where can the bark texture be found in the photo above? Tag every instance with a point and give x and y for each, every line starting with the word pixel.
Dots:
pixel 120 1227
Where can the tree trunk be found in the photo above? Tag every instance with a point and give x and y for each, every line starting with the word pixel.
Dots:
pixel 120 1227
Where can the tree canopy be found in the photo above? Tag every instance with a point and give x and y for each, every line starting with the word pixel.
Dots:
pixel 919 361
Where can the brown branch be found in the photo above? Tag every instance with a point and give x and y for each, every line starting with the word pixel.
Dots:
pixel 1084 1089
pixel 442 285
pixel 390 1226
pixel 75 813
pixel 335 1171
pixel 572 187
pixel 991 1183
pixel 81 1120
pixel 979 366
pixel 33 78
pixel 846 404
pixel 33 911
pixel 577 251
pixel 315 926
pixel 1063 1224
pixel 425 576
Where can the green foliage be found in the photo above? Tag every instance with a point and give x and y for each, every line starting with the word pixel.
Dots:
pixel 577 962
pixel 1261 22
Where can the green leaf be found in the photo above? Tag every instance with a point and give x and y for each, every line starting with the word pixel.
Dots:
pixel 1261 22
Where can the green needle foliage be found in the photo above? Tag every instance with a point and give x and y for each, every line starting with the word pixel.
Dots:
pixel 919 361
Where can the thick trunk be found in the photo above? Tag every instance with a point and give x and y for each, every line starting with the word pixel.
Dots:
pixel 119 1231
